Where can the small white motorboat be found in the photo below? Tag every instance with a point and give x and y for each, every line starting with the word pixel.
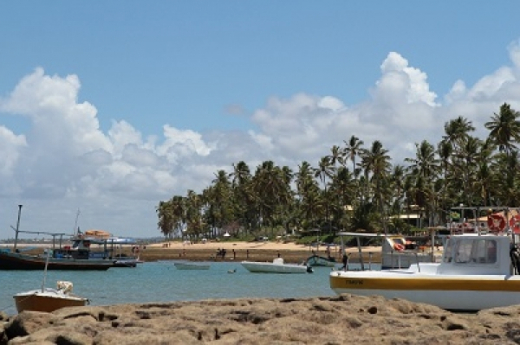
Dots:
pixel 128 261
pixel 277 266
pixel 187 265
pixel 48 300
pixel 478 271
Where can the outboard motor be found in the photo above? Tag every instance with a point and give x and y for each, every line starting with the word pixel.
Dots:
pixel 309 269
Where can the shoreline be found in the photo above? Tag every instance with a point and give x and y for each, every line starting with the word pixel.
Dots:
pixel 251 251
pixel 235 251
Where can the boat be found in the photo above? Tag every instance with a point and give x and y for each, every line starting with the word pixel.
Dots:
pixel 186 265
pixel 47 299
pixel 127 261
pixel 277 266
pixel 478 271
pixel 77 256
pixel 122 259
pixel 316 260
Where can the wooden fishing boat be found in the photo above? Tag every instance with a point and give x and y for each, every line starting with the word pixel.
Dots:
pixel 77 256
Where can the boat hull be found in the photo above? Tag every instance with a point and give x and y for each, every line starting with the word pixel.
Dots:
pixel 190 266
pixel 127 262
pixel 46 303
pixel 268 267
pixel 17 261
pixel 463 293
pixel 316 260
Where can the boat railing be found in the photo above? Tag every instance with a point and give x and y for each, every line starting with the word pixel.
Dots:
pixel 394 259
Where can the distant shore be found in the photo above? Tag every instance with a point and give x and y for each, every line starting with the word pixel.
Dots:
pixel 235 251
pixel 252 251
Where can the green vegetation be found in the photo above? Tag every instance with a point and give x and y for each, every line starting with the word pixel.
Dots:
pixel 356 188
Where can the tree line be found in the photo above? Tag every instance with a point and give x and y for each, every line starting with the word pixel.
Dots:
pixel 357 187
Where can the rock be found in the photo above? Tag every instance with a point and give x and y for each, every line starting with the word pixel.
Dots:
pixel 3 317
pixel 328 320
pixel 28 322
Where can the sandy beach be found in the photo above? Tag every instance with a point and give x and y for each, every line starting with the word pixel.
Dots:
pixel 253 251
pixel 265 245
pixel 235 250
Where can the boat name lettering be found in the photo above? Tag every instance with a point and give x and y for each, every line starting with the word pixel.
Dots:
pixel 355 282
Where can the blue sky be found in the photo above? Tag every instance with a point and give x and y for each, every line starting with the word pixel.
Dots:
pixel 111 106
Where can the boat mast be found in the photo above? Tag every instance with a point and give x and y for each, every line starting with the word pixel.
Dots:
pixel 45 269
pixel 17 227
pixel 75 230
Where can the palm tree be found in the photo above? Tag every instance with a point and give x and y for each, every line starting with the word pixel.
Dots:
pixel 504 132
pixel 193 211
pixel 343 186
pixel 352 150
pixel 397 180
pixel 376 162
pixel 457 130
pixel 504 128
pixel 425 167
pixel 166 218
pixel 307 190
pixel 336 156
pixel 220 196
pixel 466 166
pixel 270 187
pixel 425 162
pixel 325 170
pixel 444 151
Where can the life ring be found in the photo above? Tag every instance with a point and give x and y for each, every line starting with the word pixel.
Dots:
pixel 496 222
pixel 514 224
pixel 398 247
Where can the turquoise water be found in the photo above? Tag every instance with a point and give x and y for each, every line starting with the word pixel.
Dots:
pixel 162 282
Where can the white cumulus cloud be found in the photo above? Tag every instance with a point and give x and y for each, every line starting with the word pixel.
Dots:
pixel 64 161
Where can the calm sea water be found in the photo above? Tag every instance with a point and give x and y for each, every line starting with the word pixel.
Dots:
pixel 162 282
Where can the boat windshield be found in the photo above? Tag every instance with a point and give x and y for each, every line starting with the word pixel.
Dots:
pixel 471 251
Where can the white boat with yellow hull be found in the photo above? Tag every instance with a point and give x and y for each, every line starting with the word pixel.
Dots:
pixel 477 272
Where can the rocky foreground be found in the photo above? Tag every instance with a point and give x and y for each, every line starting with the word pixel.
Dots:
pixel 338 320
